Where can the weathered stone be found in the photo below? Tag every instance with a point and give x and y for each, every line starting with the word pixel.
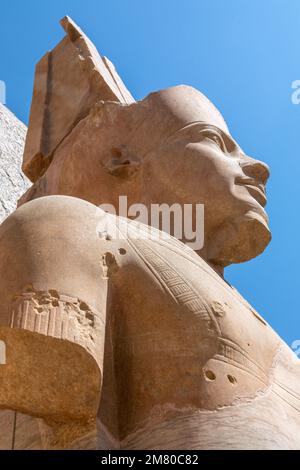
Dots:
pixel 19 431
pixel 13 182
pixel 44 331
pixel 7 423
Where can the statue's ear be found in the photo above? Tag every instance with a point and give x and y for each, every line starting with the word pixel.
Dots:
pixel 69 80
pixel 121 162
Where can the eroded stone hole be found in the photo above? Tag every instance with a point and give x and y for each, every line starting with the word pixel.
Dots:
pixel 83 306
pixel 231 379
pixel 210 375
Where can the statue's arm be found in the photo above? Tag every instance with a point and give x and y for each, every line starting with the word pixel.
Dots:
pixel 53 308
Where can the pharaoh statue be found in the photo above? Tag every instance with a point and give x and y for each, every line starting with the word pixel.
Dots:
pixel 134 341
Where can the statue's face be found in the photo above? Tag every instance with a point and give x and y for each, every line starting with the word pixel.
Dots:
pixel 173 147
pixel 201 163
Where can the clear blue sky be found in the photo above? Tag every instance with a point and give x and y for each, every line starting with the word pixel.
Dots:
pixel 243 54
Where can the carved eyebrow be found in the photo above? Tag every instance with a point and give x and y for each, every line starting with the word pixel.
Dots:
pixel 230 143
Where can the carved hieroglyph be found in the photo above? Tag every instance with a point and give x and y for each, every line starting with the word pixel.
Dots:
pixel 134 342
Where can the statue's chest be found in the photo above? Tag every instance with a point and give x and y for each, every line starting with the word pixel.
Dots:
pixel 237 349
pixel 207 299
pixel 189 345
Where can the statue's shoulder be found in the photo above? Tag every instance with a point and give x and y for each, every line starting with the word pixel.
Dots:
pixel 147 241
pixel 175 265
pixel 88 236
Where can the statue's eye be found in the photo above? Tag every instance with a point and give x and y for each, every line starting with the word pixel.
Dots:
pixel 216 138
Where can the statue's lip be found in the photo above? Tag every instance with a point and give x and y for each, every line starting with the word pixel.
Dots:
pixel 256 190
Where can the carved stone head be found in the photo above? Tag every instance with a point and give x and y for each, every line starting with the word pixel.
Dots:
pixel 172 147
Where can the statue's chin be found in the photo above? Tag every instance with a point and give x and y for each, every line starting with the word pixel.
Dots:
pixel 239 240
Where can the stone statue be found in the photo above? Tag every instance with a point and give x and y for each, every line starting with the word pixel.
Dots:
pixel 135 342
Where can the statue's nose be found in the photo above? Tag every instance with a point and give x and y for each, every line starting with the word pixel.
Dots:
pixel 255 169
